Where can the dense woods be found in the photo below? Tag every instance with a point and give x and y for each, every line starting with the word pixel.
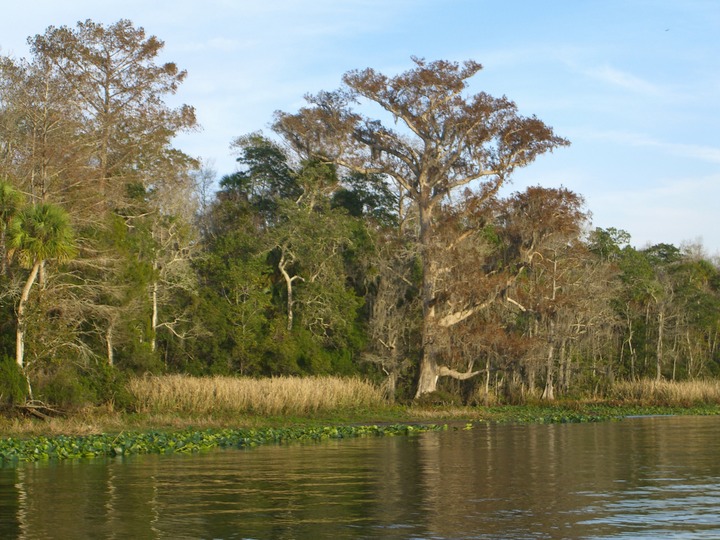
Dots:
pixel 343 244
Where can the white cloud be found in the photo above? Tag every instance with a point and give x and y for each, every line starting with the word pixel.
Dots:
pixel 710 154
pixel 627 81
pixel 220 44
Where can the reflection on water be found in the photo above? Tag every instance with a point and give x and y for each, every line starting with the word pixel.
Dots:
pixel 639 478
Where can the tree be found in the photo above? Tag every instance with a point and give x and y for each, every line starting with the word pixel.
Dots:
pixel 118 89
pixel 44 151
pixel 446 141
pixel 11 201
pixel 108 103
pixel 39 233
pixel 276 266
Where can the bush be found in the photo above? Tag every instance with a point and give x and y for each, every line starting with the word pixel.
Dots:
pixel 13 384
pixel 62 385
pixel 70 386
pixel 110 386
pixel 138 358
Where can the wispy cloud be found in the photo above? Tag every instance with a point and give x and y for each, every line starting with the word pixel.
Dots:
pixel 710 154
pixel 627 81
pixel 216 44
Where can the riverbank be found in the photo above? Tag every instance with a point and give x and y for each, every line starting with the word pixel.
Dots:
pixel 99 420
pixel 101 433
pixel 173 413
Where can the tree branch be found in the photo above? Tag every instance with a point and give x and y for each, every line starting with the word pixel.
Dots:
pixel 445 371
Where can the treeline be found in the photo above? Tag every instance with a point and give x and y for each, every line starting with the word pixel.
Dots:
pixel 340 246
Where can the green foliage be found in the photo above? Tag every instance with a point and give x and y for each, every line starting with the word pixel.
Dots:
pixel 187 441
pixel 13 384
pixel 136 356
pixel 368 196
pixel 304 267
pixel 41 232
pixel 63 385
pixel 608 243
pixel 110 386
pixel 70 386
pixel 11 201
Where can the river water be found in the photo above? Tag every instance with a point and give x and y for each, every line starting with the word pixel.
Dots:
pixel 656 477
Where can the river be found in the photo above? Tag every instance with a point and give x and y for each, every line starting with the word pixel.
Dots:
pixel 652 477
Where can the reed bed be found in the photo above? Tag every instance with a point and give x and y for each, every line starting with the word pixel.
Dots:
pixel 238 395
pixel 669 393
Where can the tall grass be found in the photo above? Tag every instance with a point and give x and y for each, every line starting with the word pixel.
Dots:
pixel 233 395
pixel 669 393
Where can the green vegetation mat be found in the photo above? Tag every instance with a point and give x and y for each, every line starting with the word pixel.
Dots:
pixel 185 441
pixel 387 422
pixel 538 414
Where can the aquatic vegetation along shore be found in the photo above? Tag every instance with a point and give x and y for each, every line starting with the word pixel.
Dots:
pixel 185 441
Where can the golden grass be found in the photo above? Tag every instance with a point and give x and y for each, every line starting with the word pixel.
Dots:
pixel 84 422
pixel 236 395
pixel 670 393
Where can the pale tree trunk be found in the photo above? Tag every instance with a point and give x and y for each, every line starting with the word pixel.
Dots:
pixel 427 382
pixel 21 323
pixel 389 386
pixel 659 350
pixel 691 356
pixel 629 341
pixel 487 380
pixel 289 286
pixel 109 343
pixel 549 393
pixel 565 368
pixel 530 369
pixel 429 372
pixel 153 342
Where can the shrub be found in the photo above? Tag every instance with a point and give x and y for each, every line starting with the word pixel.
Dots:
pixel 13 384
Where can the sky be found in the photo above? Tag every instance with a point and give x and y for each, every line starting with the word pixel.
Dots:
pixel 633 84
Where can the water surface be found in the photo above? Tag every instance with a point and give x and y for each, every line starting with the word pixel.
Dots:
pixel 638 478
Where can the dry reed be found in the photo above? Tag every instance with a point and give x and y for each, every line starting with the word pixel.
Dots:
pixel 670 393
pixel 237 395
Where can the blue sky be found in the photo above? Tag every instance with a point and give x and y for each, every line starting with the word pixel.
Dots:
pixel 634 84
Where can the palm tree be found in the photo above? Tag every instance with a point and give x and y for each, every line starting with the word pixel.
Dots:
pixel 38 233
pixel 11 200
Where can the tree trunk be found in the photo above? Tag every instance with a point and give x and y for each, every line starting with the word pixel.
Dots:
pixel 429 375
pixel 633 352
pixel 659 350
pixel 20 333
pixel 549 393
pixel 109 342
pixel 389 386
pixel 691 356
pixel 289 285
pixel 429 372
pixel 3 249
pixel 565 368
pixel 487 380
pixel 154 319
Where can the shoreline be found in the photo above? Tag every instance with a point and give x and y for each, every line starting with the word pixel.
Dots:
pixel 116 434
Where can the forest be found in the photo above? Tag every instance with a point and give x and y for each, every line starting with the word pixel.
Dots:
pixel 367 235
